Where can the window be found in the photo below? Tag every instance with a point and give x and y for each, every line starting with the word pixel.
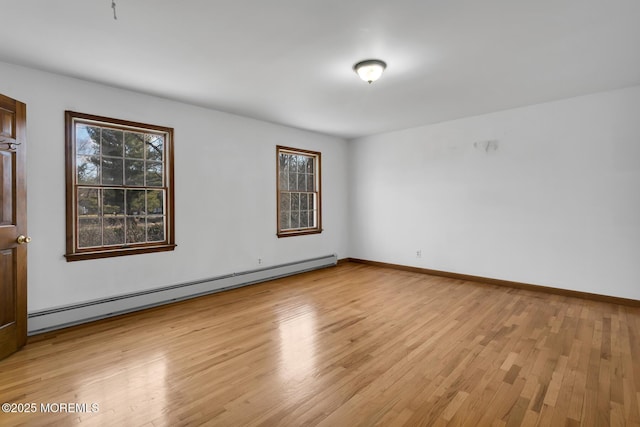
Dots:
pixel 298 192
pixel 119 187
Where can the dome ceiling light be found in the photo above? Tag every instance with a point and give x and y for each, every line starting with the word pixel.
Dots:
pixel 370 70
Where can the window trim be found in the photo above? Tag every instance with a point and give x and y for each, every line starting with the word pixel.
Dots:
pixel 73 253
pixel 303 231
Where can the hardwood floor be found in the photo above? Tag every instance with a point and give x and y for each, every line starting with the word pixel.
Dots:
pixel 345 346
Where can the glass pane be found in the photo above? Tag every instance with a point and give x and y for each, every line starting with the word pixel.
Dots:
pixel 292 165
pixel 155 202
pixel 87 140
pixel 302 182
pixel 303 201
pixel 154 174
pixel 284 219
pixel 282 185
pixel 295 201
pixel 312 218
pixel 311 184
pixel 134 172
pixel 295 220
pixel 155 228
pixel 155 147
pixel 134 145
pixel 113 202
pixel 136 229
pixel 88 202
pixel 312 201
pixel 285 200
pixel 310 163
pixel 89 232
pixel 304 163
pixel 304 223
pixel 293 181
pixel 283 162
pixel 113 230
pixel 136 202
pixel 111 171
pixel 87 169
pixel 112 142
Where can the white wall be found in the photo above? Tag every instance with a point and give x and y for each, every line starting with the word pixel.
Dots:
pixel 225 191
pixel 556 204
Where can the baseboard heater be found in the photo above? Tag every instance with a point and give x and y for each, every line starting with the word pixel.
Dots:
pixel 75 314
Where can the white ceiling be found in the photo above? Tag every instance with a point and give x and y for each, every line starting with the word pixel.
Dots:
pixel 289 61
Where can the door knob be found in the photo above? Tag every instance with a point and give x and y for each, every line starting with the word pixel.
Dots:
pixel 23 239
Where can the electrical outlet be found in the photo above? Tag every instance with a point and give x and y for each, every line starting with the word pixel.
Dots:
pixel 419 253
pixel 259 260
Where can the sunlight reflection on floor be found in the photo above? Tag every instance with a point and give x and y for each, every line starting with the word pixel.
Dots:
pixel 297 342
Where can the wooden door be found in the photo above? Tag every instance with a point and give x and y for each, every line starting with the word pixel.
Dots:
pixel 13 226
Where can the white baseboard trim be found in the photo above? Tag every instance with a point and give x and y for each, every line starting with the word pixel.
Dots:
pixel 69 315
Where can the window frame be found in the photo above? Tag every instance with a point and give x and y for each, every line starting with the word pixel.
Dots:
pixel 317 190
pixel 73 251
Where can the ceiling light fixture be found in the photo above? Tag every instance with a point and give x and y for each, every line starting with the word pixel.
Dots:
pixel 370 70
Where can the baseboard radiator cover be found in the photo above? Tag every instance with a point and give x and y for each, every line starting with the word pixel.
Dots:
pixel 74 314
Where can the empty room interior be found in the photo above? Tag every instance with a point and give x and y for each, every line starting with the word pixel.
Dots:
pixel 242 213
